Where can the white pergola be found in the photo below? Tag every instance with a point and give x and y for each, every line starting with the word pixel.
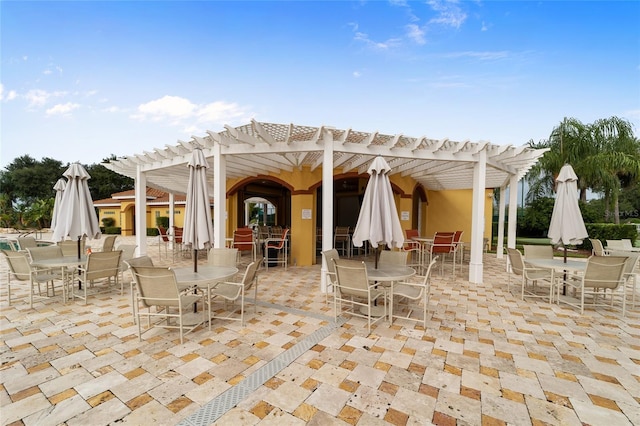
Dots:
pixel 259 148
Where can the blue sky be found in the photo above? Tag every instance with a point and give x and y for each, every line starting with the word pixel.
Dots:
pixel 82 80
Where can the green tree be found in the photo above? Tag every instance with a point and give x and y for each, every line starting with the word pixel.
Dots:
pixel 26 179
pixel 604 155
pixel 105 182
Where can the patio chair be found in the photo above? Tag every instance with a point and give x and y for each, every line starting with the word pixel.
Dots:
pixel 342 236
pixel 330 274
pixel 109 242
pixel 163 241
pixel 243 242
pixel 70 247
pixel 597 247
pixel 411 296
pixel 22 274
pixel 629 274
pixel 232 292
pixel 276 250
pixel 136 261
pixel 441 246
pixel 458 247
pixel 26 242
pixel 157 288
pixel 102 267
pixel 537 252
pixel 352 288
pixel 414 248
pixel 393 257
pixel 128 252
pixel 531 278
pixel 615 245
pixel 602 280
pixel 223 257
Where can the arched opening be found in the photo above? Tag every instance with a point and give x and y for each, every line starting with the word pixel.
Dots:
pixel 262 199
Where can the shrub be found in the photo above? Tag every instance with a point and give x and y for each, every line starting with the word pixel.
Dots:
pixel 152 232
pixel 108 222
pixel 162 221
pixel 112 230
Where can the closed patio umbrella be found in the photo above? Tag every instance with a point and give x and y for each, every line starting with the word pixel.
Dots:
pixel 59 187
pixel 77 217
pixel 378 221
pixel 567 226
pixel 198 227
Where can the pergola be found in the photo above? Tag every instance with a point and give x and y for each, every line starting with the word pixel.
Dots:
pixel 260 148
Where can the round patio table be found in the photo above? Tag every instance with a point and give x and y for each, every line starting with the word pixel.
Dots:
pixel 383 275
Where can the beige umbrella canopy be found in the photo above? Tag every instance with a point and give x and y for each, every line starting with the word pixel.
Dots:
pixel 378 221
pixel 59 187
pixel 567 226
pixel 77 217
pixel 198 227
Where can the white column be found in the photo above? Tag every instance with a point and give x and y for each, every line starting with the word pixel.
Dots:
pixel 141 212
pixel 219 196
pixel 501 204
pixel 327 203
pixel 172 210
pixel 477 218
pixel 513 212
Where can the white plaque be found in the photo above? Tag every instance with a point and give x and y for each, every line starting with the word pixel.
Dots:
pixel 404 215
pixel 306 213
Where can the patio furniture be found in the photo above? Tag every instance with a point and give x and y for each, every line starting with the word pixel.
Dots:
pixel 630 274
pixel 232 292
pixel 342 236
pixel 413 247
pixel 441 246
pixel 531 278
pixel 537 252
pixel 597 248
pixel 136 261
pixel 392 257
pixel 411 296
pixel 223 257
pixel 352 288
pixel 276 250
pixel 157 288
pixel 602 273
pixel 26 242
pixel 70 247
pixel 243 242
pixel 109 242
pixel 22 274
pixel 614 245
pixel 128 252
pixel 163 241
pixel 330 274
pixel 102 267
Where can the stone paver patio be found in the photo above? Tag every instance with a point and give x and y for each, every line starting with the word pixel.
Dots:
pixel 486 358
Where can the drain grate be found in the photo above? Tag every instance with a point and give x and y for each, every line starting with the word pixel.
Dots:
pixel 214 409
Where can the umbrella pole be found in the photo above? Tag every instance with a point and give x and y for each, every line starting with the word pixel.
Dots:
pixel 564 287
pixel 79 256
pixel 195 260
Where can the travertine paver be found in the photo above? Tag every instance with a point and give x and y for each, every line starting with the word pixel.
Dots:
pixel 486 357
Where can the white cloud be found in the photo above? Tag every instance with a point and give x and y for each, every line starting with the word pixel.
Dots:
pixel 415 33
pixel 39 97
pixel 448 13
pixel 178 111
pixel 8 96
pixel 62 109
pixel 380 45
pixel 167 107
pixel 483 56
pixel 357 74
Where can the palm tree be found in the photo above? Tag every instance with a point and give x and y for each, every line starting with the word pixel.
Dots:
pixel 601 153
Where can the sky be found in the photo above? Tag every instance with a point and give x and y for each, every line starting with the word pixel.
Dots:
pixel 84 80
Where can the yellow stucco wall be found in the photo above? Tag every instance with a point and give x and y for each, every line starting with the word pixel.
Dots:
pixel 451 211
pixel 444 211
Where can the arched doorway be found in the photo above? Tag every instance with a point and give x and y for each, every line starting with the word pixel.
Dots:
pixel 270 192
